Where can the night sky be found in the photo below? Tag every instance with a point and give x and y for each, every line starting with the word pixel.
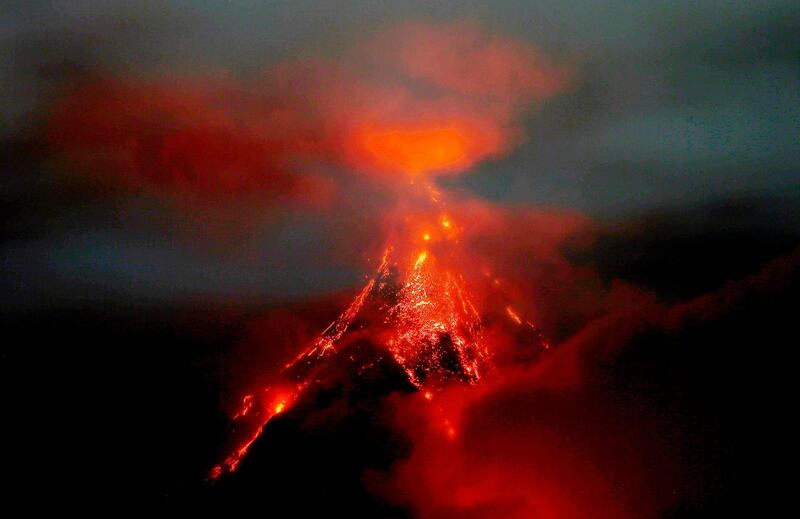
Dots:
pixel 138 312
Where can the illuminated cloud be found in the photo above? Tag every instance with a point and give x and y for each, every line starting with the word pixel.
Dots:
pixel 424 99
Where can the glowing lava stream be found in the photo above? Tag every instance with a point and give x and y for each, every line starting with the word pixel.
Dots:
pixel 434 331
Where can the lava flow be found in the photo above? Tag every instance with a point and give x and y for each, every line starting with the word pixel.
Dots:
pixel 417 307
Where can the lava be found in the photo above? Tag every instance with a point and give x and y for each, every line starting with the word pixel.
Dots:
pixel 437 326
pixel 275 401
pixel 417 306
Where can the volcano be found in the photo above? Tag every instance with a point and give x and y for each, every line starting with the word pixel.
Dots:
pixel 413 327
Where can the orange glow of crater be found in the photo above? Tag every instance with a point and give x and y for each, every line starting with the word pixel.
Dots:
pixel 421 148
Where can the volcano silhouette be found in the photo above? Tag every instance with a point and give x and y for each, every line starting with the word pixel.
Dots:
pixel 413 326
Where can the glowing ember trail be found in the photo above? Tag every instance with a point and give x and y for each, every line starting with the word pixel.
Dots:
pixel 338 327
pixel 278 403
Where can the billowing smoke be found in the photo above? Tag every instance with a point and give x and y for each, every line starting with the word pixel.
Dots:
pixel 410 100
pixel 594 430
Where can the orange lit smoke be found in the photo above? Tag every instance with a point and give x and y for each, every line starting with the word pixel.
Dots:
pixel 183 136
pixel 415 99
pixel 477 84
pixel 420 148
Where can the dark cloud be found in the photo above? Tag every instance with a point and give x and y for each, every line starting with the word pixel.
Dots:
pixel 704 246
